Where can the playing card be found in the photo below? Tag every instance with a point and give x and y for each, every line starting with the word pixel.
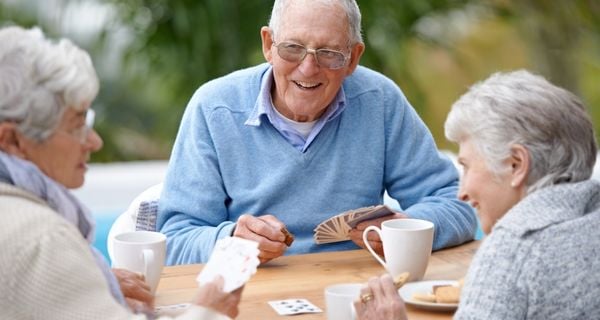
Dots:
pixel 376 212
pixel 293 306
pixel 336 228
pixel 235 259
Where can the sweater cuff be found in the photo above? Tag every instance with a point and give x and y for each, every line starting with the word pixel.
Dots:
pixel 200 312
pixel 228 230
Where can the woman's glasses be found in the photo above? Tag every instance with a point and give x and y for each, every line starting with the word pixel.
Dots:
pixel 82 132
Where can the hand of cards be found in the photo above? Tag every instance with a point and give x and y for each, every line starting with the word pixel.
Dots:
pixel 233 258
pixel 336 228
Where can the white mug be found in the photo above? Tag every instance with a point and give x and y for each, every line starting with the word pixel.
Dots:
pixel 339 300
pixel 406 246
pixel 143 252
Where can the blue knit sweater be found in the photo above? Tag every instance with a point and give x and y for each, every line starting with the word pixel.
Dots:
pixel 222 167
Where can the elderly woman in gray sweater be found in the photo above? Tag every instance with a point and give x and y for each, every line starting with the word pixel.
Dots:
pixel 528 149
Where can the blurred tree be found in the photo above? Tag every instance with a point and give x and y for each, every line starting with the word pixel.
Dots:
pixel 187 43
pixel 152 54
pixel 177 46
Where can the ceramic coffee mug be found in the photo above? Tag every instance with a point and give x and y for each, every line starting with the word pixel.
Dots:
pixel 339 299
pixel 143 252
pixel 406 246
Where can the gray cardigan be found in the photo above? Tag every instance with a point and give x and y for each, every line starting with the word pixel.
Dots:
pixel 541 260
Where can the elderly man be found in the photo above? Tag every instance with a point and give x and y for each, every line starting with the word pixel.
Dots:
pixel 299 139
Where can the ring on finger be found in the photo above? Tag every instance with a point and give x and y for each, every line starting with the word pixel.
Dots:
pixel 366 297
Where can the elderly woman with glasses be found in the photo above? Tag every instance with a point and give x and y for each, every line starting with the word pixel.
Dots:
pixel 528 150
pixel 48 269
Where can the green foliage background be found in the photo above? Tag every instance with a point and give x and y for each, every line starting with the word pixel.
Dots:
pixel 152 54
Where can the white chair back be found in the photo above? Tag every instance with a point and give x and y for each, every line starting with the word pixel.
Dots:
pixel 141 215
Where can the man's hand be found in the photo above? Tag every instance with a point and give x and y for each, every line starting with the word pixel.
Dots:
pixel 373 238
pixel 212 296
pixel 266 230
pixel 136 291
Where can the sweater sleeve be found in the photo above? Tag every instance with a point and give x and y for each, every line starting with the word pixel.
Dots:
pixel 421 179
pixel 192 210
pixel 199 313
pixel 53 275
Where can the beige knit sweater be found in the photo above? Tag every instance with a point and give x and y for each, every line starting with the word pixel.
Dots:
pixel 47 270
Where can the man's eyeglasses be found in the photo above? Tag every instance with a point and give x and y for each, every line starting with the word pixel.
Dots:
pixel 82 132
pixel 293 52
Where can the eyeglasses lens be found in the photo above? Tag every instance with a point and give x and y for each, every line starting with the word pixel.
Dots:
pixel 90 117
pixel 292 52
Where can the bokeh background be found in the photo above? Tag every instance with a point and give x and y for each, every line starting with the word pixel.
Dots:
pixel 152 54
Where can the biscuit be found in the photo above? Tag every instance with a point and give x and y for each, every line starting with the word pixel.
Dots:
pixel 401 279
pixel 446 294
pixel 461 282
pixel 425 297
pixel 289 238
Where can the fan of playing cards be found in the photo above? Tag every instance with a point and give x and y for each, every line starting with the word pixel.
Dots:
pixel 336 228
pixel 233 258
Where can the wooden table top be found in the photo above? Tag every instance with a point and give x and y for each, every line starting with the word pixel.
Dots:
pixel 307 275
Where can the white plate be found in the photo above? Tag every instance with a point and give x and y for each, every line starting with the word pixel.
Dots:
pixel 407 291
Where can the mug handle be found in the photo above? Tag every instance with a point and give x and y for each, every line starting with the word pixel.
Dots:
pixel 364 236
pixel 148 263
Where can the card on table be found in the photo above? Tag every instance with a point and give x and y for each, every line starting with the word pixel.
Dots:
pixel 293 306
pixel 235 259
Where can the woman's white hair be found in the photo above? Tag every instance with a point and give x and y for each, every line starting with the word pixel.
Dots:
pixel 350 8
pixel 525 109
pixel 39 79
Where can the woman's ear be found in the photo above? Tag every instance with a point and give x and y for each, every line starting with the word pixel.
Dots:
pixel 9 139
pixel 520 164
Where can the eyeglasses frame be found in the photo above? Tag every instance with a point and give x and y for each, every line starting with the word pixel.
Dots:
pixel 83 132
pixel 314 52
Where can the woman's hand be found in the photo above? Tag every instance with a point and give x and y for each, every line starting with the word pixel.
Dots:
pixel 380 301
pixel 211 295
pixel 136 291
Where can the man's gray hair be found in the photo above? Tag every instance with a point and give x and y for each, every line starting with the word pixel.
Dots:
pixel 349 6
pixel 525 109
pixel 39 79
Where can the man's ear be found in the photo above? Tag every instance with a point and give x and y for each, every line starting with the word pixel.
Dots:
pixel 267 43
pixel 9 139
pixel 520 164
pixel 355 54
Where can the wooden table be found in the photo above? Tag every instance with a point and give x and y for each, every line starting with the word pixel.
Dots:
pixel 307 275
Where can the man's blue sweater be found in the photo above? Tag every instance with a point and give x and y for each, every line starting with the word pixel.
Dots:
pixel 222 167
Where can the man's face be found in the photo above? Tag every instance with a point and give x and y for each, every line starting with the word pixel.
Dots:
pixel 303 90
